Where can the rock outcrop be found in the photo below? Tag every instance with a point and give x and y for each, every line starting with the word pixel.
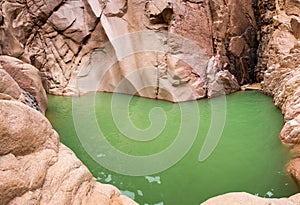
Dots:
pixel 60 38
pixel 35 168
pixel 9 88
pixel 248 199
pixel 29 80
pixel 280 57
pixel 174 50
pixel 282 60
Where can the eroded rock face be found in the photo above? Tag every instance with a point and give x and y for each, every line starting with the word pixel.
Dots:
pixel 27 77
pixel 282 77
pixel 9 87
pixel 73 43
pixel 281 58
pixel 248 199
pixel 35 168
pixel 60 37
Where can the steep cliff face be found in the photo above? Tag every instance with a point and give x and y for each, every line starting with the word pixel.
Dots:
pixel 61 38
pixel 280 58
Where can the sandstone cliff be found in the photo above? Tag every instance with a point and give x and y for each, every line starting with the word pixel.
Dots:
pixel 61 38
pixel 211 47
pixel 35 168
pixel 280 57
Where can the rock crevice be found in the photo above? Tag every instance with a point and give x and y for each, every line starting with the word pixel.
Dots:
pixel 59 37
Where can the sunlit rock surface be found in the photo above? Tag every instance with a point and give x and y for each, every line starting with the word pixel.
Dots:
pixel 234 42
pixel 60 38
pixel 35 168
pixel 248 199
pixel 281 58
pixel 28 78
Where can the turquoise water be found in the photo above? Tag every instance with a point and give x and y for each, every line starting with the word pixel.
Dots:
pixel 248 156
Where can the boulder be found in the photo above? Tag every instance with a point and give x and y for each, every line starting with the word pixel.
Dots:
pixel 27 77
pixel 35 168
pixel 9 86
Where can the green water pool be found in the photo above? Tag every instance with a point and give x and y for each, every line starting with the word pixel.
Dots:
pixel 247 156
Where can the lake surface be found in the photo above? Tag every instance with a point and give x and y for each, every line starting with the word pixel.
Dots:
pixel 151 149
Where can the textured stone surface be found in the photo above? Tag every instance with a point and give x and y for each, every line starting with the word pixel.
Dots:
pixel 9 86
pixel 60 37
pixel 240 41
pixel 221 82
pixel 282 77
pixel 27 77
pixel 35 168
pixel 248 199
pixel 281 58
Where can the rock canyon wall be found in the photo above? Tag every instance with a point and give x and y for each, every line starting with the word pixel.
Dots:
pixel 175 50
pixel 203 48
pixel 280 58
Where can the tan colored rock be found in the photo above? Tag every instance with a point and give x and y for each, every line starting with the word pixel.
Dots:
pixel 292 7
pixel 175 71
pixel 293 168
pixel 219 81
pixel 69 31
pixel 27 77
pixel 241 198
pixel 282 77
pixel 19 135
pixel 237 46
pixel 255 86
pixel 9 86
pixel 295 24
pixel 12 33
pixel 35 168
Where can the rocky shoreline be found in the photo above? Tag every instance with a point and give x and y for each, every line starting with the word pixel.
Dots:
pixel 35 168
pixel 46 45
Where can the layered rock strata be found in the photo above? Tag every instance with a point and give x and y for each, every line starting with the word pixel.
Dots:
pixel 61 38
